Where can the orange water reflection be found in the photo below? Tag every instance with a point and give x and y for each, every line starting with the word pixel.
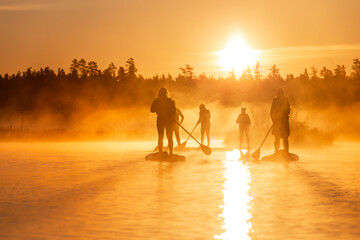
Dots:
pixel 236 215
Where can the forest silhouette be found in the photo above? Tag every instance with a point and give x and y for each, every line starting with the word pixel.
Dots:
pixel 26 97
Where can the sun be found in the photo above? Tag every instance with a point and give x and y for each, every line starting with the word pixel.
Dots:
pixel 237 56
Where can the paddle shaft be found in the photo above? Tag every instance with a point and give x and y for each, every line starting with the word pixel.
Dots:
pixel 189 133
pixel 266 136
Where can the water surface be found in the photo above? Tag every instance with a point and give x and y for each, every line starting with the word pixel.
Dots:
pixel 107 190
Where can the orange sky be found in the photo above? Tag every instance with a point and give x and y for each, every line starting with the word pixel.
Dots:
pixel 163 35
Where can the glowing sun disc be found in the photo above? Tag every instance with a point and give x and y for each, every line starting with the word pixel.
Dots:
pixel 237 55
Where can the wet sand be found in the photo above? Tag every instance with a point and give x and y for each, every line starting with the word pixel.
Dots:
pixel 108 191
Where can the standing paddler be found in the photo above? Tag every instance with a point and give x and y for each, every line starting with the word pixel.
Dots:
pixel 165 109
pixel 280 110
pixel 204 119
pixel 244 124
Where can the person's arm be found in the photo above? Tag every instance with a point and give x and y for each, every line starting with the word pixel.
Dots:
pixel 272 111
pixel 238 119
pixel 181 116
pixel 153 106
pixel 173 106
pixel 287 107
pixel 199 119
pixel 173 109
pixel 249 121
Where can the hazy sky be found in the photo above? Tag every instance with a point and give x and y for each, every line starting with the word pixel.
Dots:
pixel 163 35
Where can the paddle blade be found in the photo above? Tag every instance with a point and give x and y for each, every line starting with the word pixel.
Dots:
pixel 206 149
pixel 256 154
pixel 182 145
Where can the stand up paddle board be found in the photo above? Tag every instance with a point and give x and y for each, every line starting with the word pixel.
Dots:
pixel 282 156
pixel 178 149
pixel 190 149
pixel 165 157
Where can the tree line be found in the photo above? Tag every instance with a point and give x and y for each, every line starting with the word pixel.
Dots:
pixel 85 84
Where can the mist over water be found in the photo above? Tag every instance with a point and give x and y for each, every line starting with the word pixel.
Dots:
pixel 138 124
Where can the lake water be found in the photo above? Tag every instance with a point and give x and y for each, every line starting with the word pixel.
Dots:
pixel 108 191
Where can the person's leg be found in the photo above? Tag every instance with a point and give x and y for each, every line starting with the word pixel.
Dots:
pixel 208 135
pixel 177 134
pixel 160 129
pixel 247 137
pixel 241 130
pixel 202 134
pixel 286 144
pixel 169 135
pixel 277 144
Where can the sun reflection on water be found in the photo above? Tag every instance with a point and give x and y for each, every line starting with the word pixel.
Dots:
pixel 235 154
pixel 236 215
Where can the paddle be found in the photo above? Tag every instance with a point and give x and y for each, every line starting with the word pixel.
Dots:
pixel 256 154
pixel 204 148
pixel 182 145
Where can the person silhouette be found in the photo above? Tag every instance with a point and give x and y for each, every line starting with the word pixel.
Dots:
pixel 244 124
pixel 165 109
pixel 204 119
pixel 178 115
pixel 280 110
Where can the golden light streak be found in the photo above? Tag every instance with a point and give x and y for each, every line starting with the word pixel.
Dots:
pixel 236 206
